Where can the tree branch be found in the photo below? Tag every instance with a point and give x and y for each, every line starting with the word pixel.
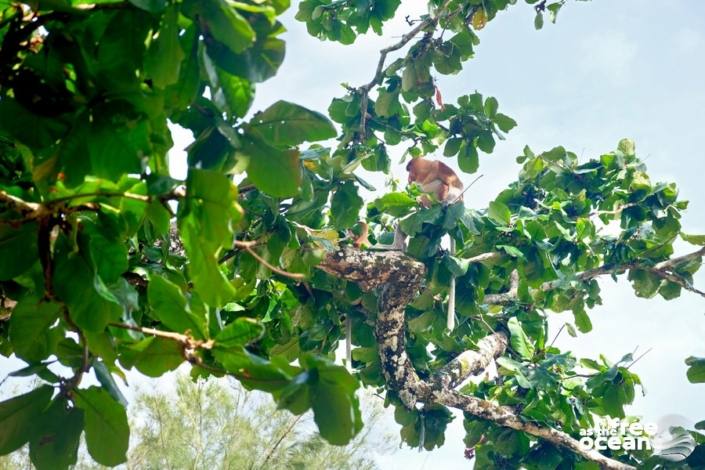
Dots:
pixel 471 362
pixel 398 278
pixel 248 246
pixel 365 89
pixel 186 340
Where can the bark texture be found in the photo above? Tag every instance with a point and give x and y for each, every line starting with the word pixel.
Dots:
pixel 398 279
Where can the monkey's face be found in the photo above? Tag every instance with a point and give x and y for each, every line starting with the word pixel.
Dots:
pixel 411 168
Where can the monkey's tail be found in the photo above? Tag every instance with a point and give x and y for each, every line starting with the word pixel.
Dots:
pixel 450 320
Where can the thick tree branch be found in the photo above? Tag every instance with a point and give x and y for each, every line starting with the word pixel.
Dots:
pixel 471 362
pixel 398 279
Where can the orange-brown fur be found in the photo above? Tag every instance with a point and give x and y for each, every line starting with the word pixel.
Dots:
pixel 434 176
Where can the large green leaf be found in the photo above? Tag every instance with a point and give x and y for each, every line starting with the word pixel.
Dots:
pixel 107 431
pixel 91 305
pixel 170 307
pixel 152 356
pixel 345 206
pixel 163 59
pixel 286 124
pixel 19 416
pixel 396 204
pixel 239 332
pixel 335 407
pixel 18 249
pixel 519 340
pixel 55 444
pixel 30 332
pixel 274 171
pixel 222 22
pixel 206 221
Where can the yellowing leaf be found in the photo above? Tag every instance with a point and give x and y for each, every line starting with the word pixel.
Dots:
pixel 479 19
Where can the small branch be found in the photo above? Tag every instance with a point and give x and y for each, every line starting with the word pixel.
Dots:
pixel 506 297
pixel 638 358
pixel 248 246
pixel 75 381
pixel 460 196
pixel 278 442
pixel 365 89
pixel 557 335
pixel 186 340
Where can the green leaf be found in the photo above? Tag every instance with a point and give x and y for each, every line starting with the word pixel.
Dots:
pixel 538 20
pixel 504 122
pixel 222 22
pixel 512 251
pixel 499 212
pixel 30 332
pixel 205 220
pixel 582 320
pixel 335 406
pixel 163 59
pixel 274 171
pixel 55 444
pixel 107 431
pixel 91 305
pixel 18 249
pixel 452 146
pixel 345 206
pixel 170 307
pixel 468 160
pixel 19 415
pixel 108 252
pixel 152 356
pixel 491 107
pixel 233 93
pixel 117 150
pixel 396 204
pixel 286 124
pixel 692 239
pixel 240 332
pixel 645 283
pixel 696 369
pixel 519 340
pixel 108 382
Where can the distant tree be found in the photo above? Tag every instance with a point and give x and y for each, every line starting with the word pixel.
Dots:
pixel 213 424
pixel 208 424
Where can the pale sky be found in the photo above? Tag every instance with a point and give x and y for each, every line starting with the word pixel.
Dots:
pixel 606 70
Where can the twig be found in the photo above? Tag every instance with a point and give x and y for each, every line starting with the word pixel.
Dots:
pixel 557 335
pixel 365 89
pixel 247 245
pixel 186 340
pixel 464 190
pixel 639 358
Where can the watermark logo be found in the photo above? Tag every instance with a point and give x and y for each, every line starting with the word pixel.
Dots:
pixel 669 439
pixel 616 434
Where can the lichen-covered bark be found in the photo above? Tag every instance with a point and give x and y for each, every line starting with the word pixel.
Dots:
pixel 398 279
pixel 471 362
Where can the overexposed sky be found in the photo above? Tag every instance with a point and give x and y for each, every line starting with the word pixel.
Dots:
pixel 606 70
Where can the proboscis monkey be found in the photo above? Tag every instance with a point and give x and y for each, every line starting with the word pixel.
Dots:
pixel 435 177
pixel 438 178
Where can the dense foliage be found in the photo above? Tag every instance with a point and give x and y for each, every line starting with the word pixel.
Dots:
pixel 109 264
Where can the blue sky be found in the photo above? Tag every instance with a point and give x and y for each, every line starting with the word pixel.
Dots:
pixel 606 70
